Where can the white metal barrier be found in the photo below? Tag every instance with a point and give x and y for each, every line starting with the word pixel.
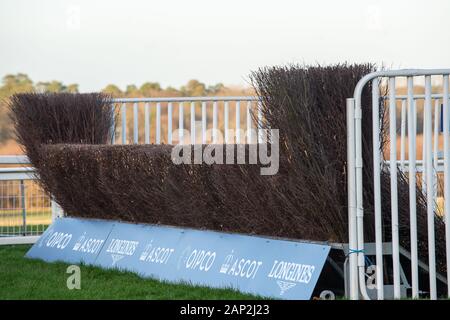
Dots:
pixel 25 209
pixel 150 120
pixel 153 120
pixel 429 166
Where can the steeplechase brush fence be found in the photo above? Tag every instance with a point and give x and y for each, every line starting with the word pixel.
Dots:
pixel 348 167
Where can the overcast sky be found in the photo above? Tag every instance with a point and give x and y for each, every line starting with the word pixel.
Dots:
pixel 97 42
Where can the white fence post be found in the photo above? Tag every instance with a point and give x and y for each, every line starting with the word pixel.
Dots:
pixel 447 176
pixel 351 192
pixel 55 210
pixel 430 193
pixel 147 122
pixel 113 124
pixel 158 123
pixel 124 123
pixel 412 147
pixel 377 188
pixel 394 190
pixel 135 124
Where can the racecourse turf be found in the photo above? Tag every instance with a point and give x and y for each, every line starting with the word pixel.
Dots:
pixel 23 278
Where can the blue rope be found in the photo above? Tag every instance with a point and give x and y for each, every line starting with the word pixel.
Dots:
pixel 350 251
pixel 366 258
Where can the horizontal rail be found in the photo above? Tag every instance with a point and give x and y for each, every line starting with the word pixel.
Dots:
pixel 393 73
pixel 236 98
pixel 18 173
pixel 419 163
pixel 18 240
pixel 415 97
pixel 14 159
pixel 184 99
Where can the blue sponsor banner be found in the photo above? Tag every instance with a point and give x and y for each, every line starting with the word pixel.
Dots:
pixel 263 266
pixel 72 240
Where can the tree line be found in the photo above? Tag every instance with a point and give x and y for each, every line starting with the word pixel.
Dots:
pixel 19 83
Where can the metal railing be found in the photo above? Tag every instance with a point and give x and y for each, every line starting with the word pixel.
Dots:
pixel 25 209
pixel 187 119
pixel 430 162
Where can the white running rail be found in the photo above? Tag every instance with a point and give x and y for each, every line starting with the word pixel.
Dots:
pixel 428 166
pixel 25 209
pixel 140 121
pixel 205 119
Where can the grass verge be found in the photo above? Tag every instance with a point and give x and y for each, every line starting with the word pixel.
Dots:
pixel 22 278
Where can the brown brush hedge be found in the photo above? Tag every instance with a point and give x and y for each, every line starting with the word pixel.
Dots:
pixel 308 104
pixel 139 183
pixel 307 199
pixel 51 118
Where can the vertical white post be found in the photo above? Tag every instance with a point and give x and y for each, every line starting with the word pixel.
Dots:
pixel 351 193
pixel 415 120
pixel 403 135
pixel 437 117
pixel 192 122
pixel 158 123
pixel 204 122
pixel 447 176
pixel 249 122
pixel 113 124
pixel 215 122
pixel 238 122
pixel 124 123
pixel 55 210
pixel 180 121
pixel 169 123
pixel 424 151
pixel 359 199
pixel 259 124
pixel 412 131
pixel 377 188
pixel 135 123
pixel 147 123
pixel 429 185
pixel 225 126
pixel 394 195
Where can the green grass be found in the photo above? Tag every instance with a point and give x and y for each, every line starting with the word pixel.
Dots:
pixel 23 278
